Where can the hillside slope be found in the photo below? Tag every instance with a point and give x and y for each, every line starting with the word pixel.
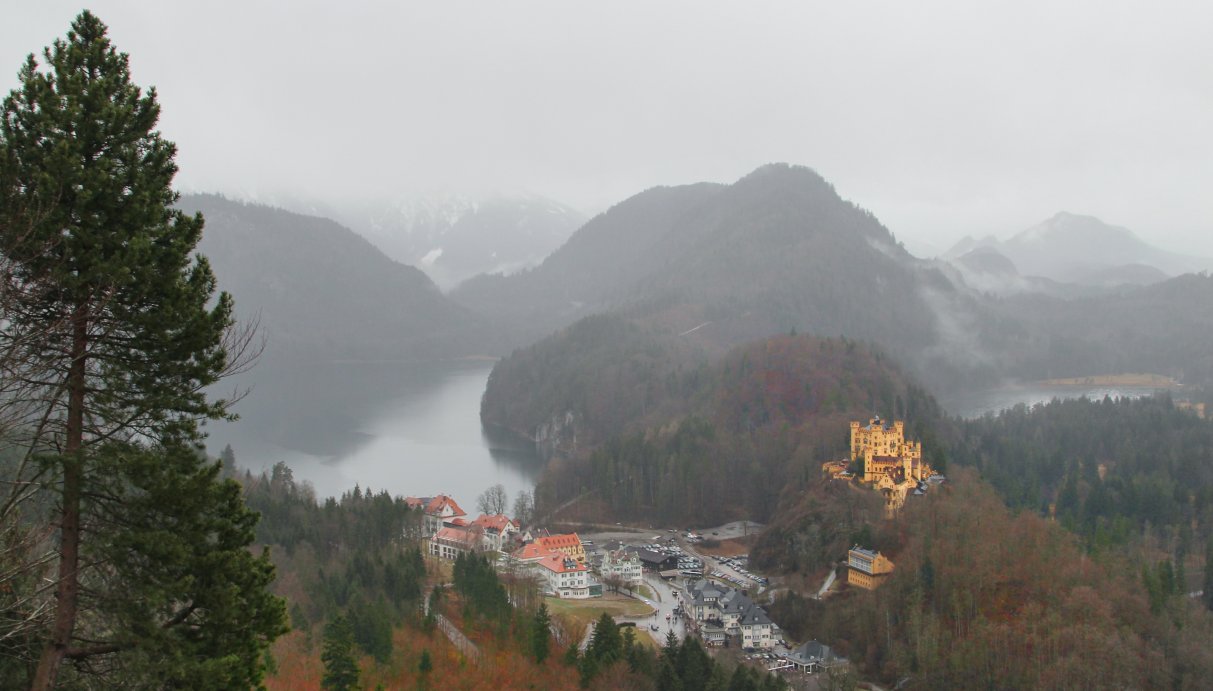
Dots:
pixel 321 291
pixel 777 251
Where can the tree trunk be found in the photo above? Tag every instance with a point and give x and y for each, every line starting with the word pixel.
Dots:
pixel 68 587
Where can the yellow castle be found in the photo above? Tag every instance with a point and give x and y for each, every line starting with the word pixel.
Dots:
pixel 891 464
pixel 886 453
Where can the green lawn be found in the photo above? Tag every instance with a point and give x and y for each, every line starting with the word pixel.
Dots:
pixel 579 613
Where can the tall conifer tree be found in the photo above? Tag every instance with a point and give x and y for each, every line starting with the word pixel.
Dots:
pixel 111 329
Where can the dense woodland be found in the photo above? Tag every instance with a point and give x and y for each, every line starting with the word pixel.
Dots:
pixel 987 597
pixel 1109 470
pixel 658 439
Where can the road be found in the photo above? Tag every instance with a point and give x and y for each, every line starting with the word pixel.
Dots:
pixel 466 646
pixel 668 597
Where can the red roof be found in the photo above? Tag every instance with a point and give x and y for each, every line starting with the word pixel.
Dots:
pixel 498 522
pixel 560 541
pixel 561 563
pixel 460 535
pixel 531 551
pixel 437 503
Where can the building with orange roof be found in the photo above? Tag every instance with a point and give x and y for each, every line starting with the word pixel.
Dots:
pixel 565 576
pixel 439 511
pixel 449 542
pixel 497 531
pixel 568 544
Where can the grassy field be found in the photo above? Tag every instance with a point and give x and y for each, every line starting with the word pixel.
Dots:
pixel 727 548
pixel 579 613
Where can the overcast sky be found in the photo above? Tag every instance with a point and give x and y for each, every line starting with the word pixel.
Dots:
pixel 943 118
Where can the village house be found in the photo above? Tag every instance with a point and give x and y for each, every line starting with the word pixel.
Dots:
pixel 757 629
pixel 730 611
pixel 497 532
pixel 623 565
pixel 563 575
pixel 569 545
pixel 867 569
pixel 814 657
pixel 439 511
pixel 451 541
pixel 566 577
pixel 655 561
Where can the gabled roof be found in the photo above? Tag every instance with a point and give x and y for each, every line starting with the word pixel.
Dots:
pixel 559 562
pixel 735 601
pixel 618 556
pixel 417 502
pixel 497 523
pixel 755 616
pixel 437 503
pixel 814 651
pixel 531 552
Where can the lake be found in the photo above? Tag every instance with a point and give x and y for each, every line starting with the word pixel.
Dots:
pixel 973 404
pixel 406 428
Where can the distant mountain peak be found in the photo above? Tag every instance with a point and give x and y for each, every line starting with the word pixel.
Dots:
pixel 1069 227
pixel 785 173
pixel 1082 249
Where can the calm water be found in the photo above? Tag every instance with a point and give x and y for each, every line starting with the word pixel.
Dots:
pixel 409 429
pixel 990 401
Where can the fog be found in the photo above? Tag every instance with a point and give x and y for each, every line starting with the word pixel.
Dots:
pixel 944 119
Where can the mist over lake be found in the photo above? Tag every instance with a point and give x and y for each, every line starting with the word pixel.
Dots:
pixel 975 404
pixel 410 429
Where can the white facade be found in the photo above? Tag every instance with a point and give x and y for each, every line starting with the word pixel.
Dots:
pixel 565 577
pixel 757 636
pixel 625 565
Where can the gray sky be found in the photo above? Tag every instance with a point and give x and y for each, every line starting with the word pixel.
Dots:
pixel 943 118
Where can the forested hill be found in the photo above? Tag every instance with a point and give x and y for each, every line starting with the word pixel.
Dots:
pixel 654 432
pixel 323 292
pixel 598 268
pixel 1163 328
pixel 776 251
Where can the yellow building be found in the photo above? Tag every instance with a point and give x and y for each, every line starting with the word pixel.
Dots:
pixel 886 453
pixel 867 569
pixel 569 545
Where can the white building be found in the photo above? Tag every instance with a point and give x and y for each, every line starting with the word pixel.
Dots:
pixel 624 565
pixel 450 542
pixel 496 532
pixel 566 577
pixel 757 631
pixel 731 611
pixel 439 511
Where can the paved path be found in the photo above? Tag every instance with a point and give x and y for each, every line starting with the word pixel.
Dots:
pixel 452 632
pixel 825 587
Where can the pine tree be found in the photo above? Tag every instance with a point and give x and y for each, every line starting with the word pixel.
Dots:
pixel 424 667
pixel 340 669
pixel 112 330
pixel 541 634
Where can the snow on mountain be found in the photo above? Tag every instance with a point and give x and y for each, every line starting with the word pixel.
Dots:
pixel 453 237
pixel 1084 250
